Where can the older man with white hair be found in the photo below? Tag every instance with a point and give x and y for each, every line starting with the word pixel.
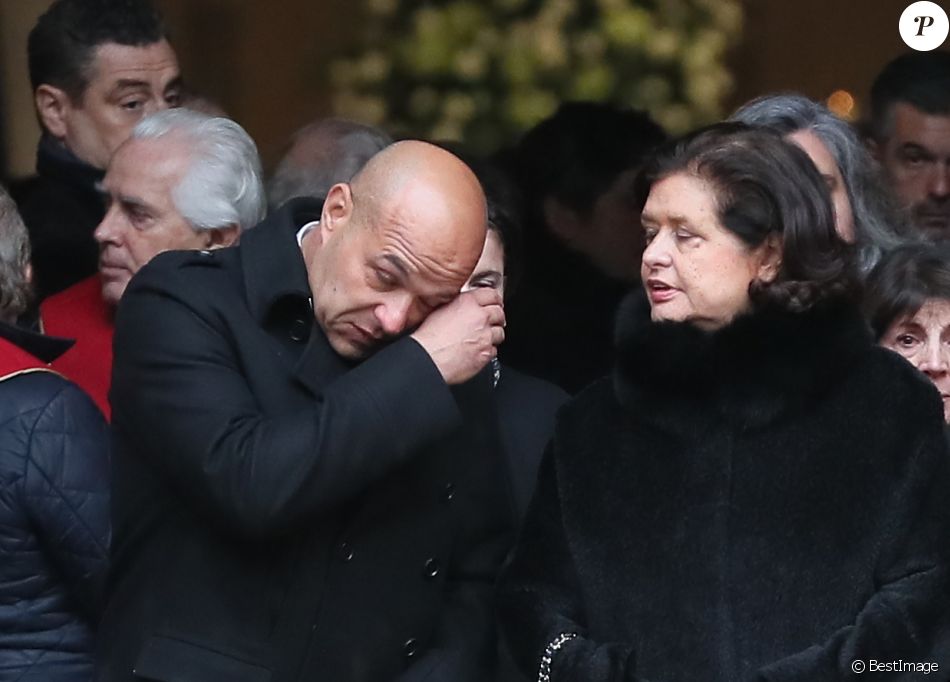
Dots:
pixel 182 181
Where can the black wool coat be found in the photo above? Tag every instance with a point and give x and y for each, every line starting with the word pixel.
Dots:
pixel 279 513
pixel 765 502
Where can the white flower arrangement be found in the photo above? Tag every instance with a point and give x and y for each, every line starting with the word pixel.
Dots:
pixel 485 71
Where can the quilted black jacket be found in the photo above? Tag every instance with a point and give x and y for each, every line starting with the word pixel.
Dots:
pixel 54 520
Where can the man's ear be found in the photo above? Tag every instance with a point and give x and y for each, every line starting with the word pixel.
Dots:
pixel 771 264
pixel 221 237
pixel 337 210
pixel 52 107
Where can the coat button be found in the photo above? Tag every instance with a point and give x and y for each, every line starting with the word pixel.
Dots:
pixel 448 492
pixel 431 569
pixel 410 647
pixel 299 329
pixel 346 552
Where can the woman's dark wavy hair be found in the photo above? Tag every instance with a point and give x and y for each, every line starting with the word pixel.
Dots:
pixel 765 185
pixel 903 281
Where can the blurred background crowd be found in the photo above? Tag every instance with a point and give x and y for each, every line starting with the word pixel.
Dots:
pixel 275 69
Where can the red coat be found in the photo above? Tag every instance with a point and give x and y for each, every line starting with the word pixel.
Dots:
pixel 80 313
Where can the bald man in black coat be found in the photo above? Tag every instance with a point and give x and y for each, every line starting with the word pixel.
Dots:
pixel 308 479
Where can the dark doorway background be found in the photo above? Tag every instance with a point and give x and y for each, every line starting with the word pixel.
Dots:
pixel 265 62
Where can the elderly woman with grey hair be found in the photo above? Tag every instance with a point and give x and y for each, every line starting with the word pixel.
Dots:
pixel 54 492
pixel 907 303
pixel 865 213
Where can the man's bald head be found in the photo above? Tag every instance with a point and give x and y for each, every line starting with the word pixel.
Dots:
pixel 394 244
pixel 418 175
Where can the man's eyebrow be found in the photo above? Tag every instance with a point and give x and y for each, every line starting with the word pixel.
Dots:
pixel 914 147
pixel 397 263
pixel 134 202
pixel 677 220
pixel 174 84
pixel 129 83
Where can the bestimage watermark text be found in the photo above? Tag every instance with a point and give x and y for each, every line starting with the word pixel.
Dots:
pixel 873 665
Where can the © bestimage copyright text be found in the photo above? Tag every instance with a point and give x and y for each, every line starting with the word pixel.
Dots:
pixel 899 666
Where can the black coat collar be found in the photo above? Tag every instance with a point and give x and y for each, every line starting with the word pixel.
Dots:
pixel 761 366
pixel 278 290
pixel 272 261
pixel 56 162
pixel 41 346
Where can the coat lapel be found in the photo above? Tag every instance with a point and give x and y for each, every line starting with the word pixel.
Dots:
pixel 319 364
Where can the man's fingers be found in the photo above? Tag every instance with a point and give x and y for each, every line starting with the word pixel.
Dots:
pixel 497 335
pixel 496 315
pixel 486 296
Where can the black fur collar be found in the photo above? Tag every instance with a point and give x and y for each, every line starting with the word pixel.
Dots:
pixel 761 366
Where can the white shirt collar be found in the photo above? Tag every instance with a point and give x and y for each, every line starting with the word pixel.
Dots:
pixel 302 232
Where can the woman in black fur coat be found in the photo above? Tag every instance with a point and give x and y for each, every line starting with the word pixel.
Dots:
pixel 759 492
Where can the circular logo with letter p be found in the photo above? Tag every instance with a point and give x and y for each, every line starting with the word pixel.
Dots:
pixel 924 26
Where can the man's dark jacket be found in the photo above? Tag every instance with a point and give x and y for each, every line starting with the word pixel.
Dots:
pixel 767 502
pixel 54 515
pixel 279 514
pixel 526 412
pixel 61 208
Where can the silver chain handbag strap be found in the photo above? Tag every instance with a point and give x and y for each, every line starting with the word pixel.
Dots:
pixel 544 673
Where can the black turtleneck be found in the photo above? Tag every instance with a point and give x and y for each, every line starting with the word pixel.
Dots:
pixel 61 209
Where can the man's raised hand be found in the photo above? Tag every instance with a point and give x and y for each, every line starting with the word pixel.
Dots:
pixel 462 336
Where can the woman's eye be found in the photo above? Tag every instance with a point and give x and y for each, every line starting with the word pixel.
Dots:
pixel 133 105
pixel 905 340
pixel 683 235
pixel 648 235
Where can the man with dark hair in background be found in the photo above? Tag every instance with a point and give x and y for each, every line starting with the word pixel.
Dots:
pixel 910 135
pixel 96 68
pixel 583 239
pixel 321 154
